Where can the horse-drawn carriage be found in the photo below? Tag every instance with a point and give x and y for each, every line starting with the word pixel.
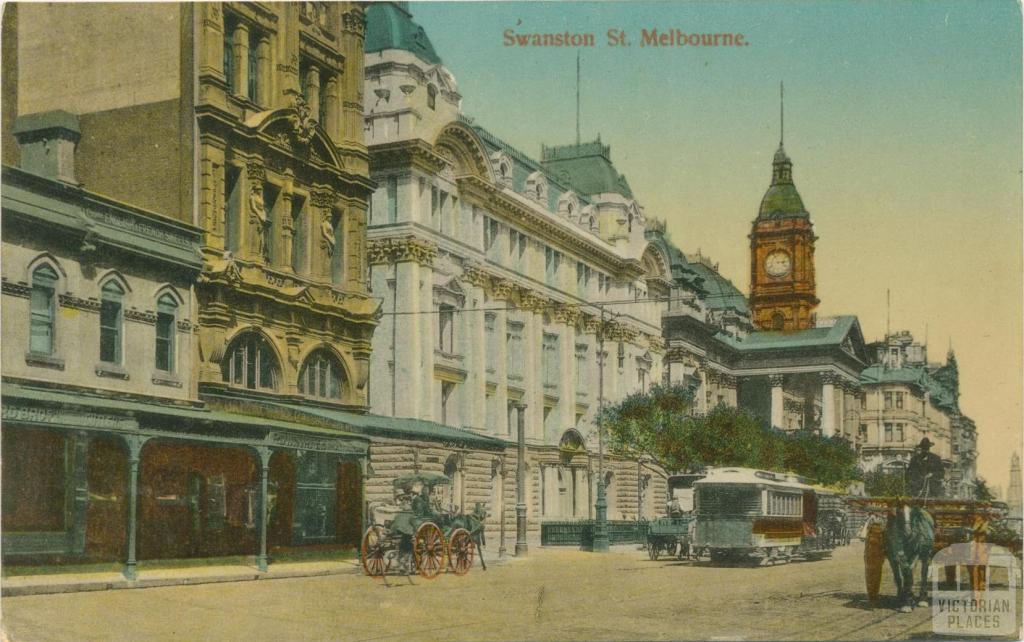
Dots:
pixel 671 535
pixel 908 530
pixel 417 536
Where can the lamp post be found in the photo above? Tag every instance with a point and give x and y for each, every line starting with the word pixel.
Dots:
pixel 601 543
pixel 521 480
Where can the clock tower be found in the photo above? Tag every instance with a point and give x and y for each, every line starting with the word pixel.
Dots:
pixel 782 292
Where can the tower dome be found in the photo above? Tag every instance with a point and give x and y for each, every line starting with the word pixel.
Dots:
pixel 782 200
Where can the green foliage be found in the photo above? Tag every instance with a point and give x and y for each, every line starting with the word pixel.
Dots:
pixel 660 424
pixel 981 490
pixel 879 483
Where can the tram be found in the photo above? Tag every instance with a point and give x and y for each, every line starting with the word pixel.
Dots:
pixel 743 514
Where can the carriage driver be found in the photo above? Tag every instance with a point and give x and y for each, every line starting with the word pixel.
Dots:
pixel 925 472
pixel 420 499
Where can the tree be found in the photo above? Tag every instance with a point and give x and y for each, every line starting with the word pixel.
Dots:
pixel 879 483
pixel 651 424
pixel 981 490
pixel 660 424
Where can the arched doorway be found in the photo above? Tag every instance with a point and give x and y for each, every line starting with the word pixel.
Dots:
pixel 453 471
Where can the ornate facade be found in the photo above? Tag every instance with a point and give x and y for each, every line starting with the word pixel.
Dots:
pixel 906 399
pixel 501 275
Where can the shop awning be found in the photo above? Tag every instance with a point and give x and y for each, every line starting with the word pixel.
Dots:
pixel 20 404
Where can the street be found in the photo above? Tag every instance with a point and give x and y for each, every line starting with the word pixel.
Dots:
pixel 553 594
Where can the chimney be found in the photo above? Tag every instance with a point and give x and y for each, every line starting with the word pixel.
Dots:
pixel 47 141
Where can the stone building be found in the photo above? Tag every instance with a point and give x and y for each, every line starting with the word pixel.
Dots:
pixel 906 399
pixel 238 128
pixel 494 268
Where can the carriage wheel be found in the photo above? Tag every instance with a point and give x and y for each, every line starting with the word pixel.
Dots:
pixel 428 549
pixel 460 551
pixel 652 550
pixel 374 551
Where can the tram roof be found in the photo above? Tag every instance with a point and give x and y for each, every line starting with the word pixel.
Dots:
pixel 737 475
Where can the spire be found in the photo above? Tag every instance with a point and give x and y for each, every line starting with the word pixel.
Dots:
pixel 782 116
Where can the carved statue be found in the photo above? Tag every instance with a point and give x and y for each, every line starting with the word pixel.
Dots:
pixel 257 220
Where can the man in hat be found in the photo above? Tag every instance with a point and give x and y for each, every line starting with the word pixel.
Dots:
pixel 925 473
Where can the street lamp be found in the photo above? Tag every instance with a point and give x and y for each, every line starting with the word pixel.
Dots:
pixel 601 543
pixel 521 480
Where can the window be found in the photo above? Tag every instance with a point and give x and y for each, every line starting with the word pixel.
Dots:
pixel 232 207
pixel 42 314
pixel 447 388
pixel 299 234
pixel 392 199
pixel 513 426
pixel 863 401
pixel 516 246
pixel 434 201
pixel 111 318
pixel 446 329
pixel 583 272
pixel 552 261
pixel 270 193
pixel 899 400
pixel 641 381
pixel 166 318
pixel 321 376
pixel 622 356
pixel 862 432
pixel 252 91
pixel 888 431
pixel 250 363
pixel 581 367
pixel 514 349
pixel 549 355
pixel 431 96
pixel 230 23
pixel 888 400
pixel 898 432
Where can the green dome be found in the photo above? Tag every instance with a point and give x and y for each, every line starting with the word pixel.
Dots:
pixel 782 200
pixel 389 25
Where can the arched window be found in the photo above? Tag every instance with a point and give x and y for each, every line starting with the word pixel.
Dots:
pixel 166 320
pixel 42 315
pixel 111 322
pixel 250 363
pixel 322 376
pixel 431 96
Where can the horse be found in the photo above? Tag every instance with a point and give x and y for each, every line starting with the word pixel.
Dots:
pixel 909 537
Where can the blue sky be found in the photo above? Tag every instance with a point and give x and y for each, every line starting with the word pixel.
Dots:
pixel 903 120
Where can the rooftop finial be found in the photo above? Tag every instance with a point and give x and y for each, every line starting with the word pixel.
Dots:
pixel 782 115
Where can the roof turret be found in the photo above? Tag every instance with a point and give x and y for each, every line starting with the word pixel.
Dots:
pixel 389 25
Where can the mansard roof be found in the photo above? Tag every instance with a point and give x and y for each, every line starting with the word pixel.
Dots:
pixel 588 167
pixel 389 25
pixel 942 397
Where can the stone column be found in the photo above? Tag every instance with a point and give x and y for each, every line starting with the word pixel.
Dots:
pixel 134 444
pixel 313 90
pixel 475 350
pixel 80 483
pixel 521 547
pixel 408 336
pixel 263 91
pixel 533 378
pixel 240 83
pixel 828 404
pixel 776 382
pixel 332 110
pixel 264 455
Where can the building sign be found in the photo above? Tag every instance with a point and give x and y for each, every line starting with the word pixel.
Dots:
pixel 304 442
pixel 60 417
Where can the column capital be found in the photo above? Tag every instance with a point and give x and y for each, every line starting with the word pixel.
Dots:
pixel 830 378
pixel 776 381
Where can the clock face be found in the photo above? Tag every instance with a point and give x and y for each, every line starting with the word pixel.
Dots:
pixel 777 264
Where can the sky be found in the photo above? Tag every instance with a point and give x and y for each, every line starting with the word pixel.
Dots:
pixel 903 121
